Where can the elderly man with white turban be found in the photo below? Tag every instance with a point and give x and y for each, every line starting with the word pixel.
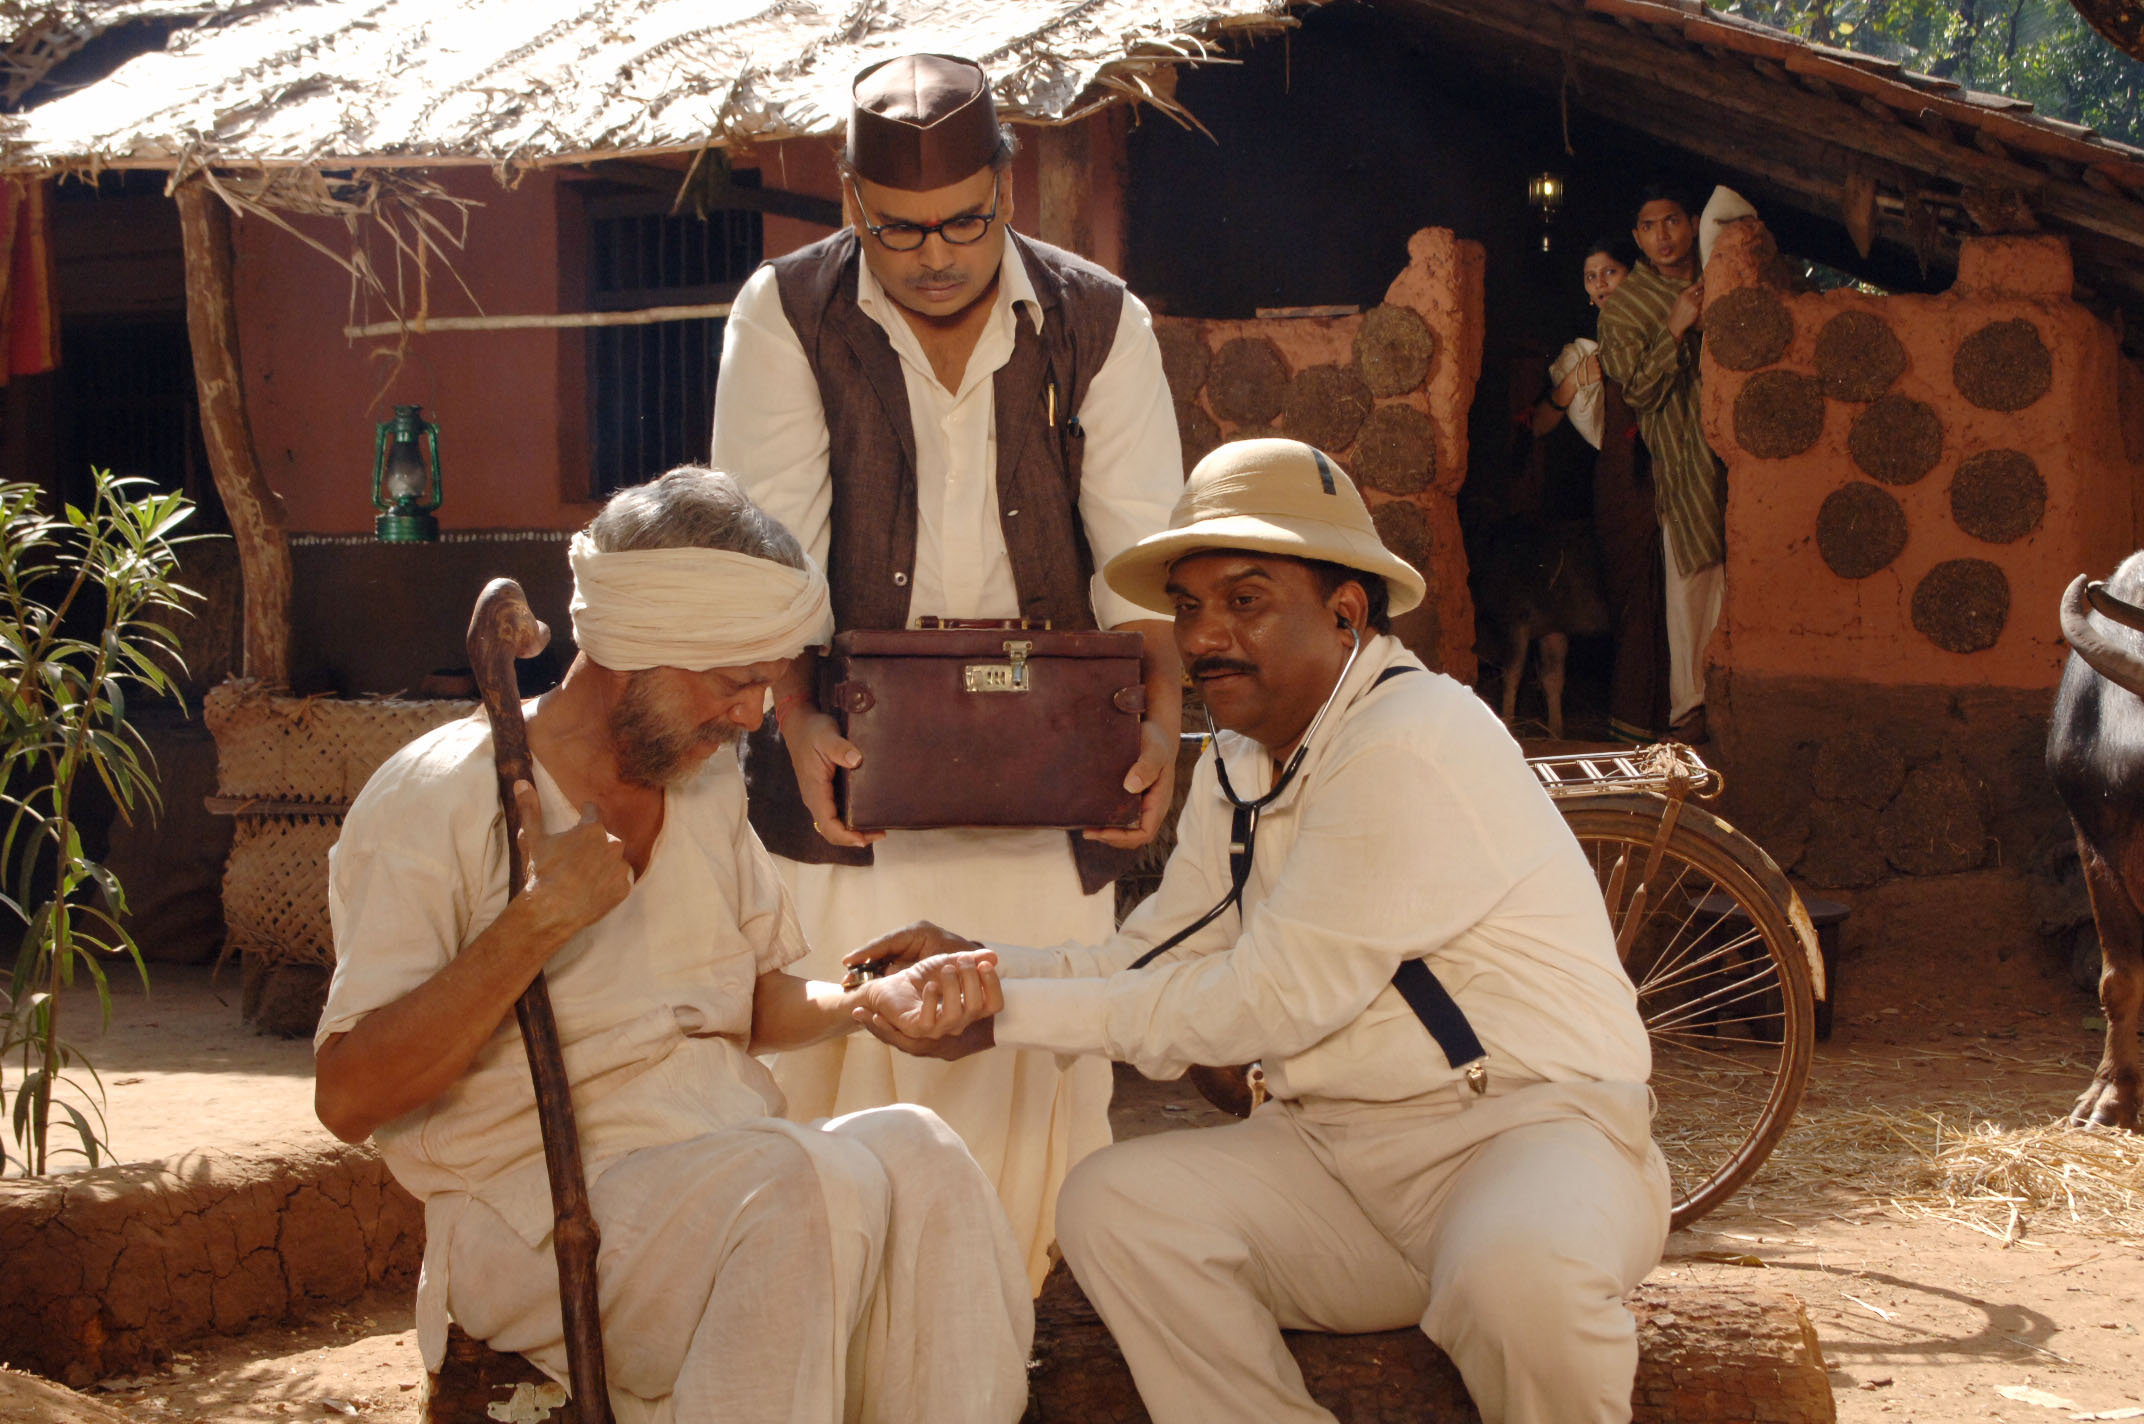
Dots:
pixel 751 1269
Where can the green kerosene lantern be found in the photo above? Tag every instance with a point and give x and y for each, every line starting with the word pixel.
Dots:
pixel 406 486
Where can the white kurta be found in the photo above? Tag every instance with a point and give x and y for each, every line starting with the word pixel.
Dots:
pixel 751 1268
pixel 1026 1118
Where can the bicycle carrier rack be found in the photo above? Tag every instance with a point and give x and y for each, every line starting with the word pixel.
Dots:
pixel 1666 769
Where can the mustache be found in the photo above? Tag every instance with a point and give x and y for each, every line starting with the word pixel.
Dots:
pixel 940 278
pixel 1207 667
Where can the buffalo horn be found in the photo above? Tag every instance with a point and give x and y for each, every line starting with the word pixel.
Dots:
pixel 2116 664
pixel 2115 610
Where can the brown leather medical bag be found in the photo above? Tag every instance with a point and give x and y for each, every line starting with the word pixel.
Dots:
pixel 986 723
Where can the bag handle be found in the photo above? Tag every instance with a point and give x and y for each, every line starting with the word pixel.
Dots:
pixel 989 625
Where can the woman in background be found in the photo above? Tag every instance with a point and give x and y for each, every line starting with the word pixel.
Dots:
pixel 1623 517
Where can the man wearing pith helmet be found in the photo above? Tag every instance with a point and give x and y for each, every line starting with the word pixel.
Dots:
pixel 959 421
pixel 1371 895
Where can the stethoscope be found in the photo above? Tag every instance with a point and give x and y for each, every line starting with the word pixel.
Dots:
pixel 1243 826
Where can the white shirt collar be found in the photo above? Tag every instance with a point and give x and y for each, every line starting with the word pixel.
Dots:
pixel 1250 765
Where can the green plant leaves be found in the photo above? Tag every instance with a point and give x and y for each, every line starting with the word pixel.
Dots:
pixel 63 711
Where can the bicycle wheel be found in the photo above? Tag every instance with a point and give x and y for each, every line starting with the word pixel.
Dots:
pixel 1722 983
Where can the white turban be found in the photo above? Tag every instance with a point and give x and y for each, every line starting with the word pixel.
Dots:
pixel 693 608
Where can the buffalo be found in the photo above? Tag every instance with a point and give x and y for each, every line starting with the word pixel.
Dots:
pixel 2095 754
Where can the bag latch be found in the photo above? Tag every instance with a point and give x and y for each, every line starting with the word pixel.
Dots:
pixel 1008 676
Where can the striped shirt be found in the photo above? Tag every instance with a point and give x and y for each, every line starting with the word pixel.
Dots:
pixel 1658 374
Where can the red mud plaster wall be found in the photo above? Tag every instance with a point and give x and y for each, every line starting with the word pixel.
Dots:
pixel 498 395
pixel 510 403
pixel 1386 393
pixel 1913 480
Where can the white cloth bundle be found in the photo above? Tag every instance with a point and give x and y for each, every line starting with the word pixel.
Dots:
pixel 1725 206
pixel 1587 416
pixel 693 608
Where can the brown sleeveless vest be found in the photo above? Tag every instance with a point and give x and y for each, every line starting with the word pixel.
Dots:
pixel 871 460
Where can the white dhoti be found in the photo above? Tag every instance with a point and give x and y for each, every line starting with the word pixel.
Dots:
pixel 1508 1228
pixel 1693 602
pixel 773 1273
pixel 1028 1117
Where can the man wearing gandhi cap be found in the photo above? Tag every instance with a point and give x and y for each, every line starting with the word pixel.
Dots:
pixel 957 421
pixel 1372 895
pixel 751 1268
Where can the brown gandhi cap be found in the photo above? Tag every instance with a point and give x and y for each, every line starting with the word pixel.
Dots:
pixel 922 121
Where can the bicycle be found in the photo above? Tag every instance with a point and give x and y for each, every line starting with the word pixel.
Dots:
pixel 1720 948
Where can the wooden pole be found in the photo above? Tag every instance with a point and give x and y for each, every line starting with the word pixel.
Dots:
pixel 502 629
pixel 255 510
pixel 1064 166
pixel 540 321
pixel 1079 169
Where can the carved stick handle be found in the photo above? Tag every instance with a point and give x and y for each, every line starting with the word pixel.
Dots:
pixel 501 630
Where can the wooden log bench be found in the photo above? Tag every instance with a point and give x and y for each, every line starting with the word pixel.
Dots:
pixel 1707 1355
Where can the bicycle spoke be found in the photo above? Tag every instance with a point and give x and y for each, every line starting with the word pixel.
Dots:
pixel 1698 969
pixel 1712 1027
pixel 1739 1065
pixel 1695 904
pixel 1726 993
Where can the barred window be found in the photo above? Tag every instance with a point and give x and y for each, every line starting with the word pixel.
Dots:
pixel 651 389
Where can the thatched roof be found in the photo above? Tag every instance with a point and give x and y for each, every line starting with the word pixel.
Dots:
pixel 325 101
pixel 514 82
pixel 34 37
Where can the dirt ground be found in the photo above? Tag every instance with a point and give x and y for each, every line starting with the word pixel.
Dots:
pixel 1926 1312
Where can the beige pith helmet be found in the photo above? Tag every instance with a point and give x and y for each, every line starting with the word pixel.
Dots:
pixel 1275 496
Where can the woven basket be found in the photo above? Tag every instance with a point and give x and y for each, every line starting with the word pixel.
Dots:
pixel 275 889
pixel 297 753
pixel 311 748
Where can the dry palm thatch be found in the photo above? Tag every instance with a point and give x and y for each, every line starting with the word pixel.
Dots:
pixel 331 107
pixel 515 83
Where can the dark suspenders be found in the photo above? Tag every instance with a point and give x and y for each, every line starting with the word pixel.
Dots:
pixel 1432 1003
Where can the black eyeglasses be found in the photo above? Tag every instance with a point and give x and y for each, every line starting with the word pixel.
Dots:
pixel 962 231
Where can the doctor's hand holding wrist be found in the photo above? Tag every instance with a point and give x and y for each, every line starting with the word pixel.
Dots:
pixel 940 1007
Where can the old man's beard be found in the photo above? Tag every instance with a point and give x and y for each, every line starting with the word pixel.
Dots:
pixel 654 746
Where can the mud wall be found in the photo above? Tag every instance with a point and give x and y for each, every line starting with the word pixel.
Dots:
pixel 1385 392
pixel 108 1270
pixel 511 404
pixel 1913 480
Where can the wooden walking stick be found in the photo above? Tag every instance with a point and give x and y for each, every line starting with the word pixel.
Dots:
pixel 500 630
